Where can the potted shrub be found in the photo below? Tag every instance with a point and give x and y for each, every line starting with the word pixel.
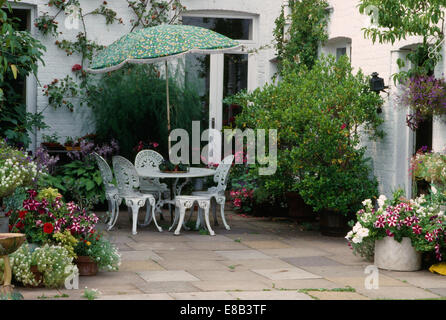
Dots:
pixel 318 114
pixel 401 230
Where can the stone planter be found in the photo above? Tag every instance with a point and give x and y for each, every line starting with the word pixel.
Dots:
pixel 397 256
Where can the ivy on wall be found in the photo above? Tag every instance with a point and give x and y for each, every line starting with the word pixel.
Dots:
pixel 147 13
pixel 308 20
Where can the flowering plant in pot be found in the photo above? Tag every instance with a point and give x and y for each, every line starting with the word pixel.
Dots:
pixel 94 253
pixel 417 222
pixel 424 96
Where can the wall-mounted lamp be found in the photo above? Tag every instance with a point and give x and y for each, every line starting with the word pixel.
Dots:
pixel 377 85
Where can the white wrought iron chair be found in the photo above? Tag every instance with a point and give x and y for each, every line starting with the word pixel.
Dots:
pixel 216 194
pixel 151 159
pixel 128 183
pixel 111 191
pixel 182 203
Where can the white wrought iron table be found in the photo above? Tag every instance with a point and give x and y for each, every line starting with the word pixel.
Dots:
pixel 173 178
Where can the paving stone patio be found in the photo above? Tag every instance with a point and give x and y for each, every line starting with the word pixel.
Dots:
pixel 258 259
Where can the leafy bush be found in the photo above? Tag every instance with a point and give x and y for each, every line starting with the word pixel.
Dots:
pixel 130 106
pixel 320 115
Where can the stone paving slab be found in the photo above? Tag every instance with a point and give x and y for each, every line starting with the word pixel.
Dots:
pixel 205 238
pixel 140 255
pixel 136 265
pixel 233 285
pixel 438 291
pixel 311 261
pixel 166 286
pixel 242 254
pixel 291 284
pixel 270 295
pixel 166 246
pixel 167 275
pixel 189 254
pixel 286 274
pixel 331 295
pixel 359 282
pixel 191 264
pixel 294 252
pixel 230 275
pixel 272 244
pixel 152 296
pixel 406 292
pixel 249 264
pixel 217 245
pixel 209 295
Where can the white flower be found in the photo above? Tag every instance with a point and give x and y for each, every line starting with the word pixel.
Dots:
pixel 382 198
pixel 367 203
pixel 357 239
pixel 363 232
pixel 349 235
pixel 357 227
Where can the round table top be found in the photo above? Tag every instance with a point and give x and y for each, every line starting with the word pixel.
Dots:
pixel 193 173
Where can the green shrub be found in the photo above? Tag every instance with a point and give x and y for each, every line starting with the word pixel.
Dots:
pixel 321 115
pixel 130 106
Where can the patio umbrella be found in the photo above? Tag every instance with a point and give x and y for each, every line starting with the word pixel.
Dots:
pixel 160 43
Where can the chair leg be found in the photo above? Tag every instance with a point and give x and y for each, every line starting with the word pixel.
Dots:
pixel 154 219
pixel 175 219
pixel 180 222
pixel 222 212
pixel 148 217
pixel 199 217
pixel 206 218
pixel 114 218
pixel 135 210
pixel 214 211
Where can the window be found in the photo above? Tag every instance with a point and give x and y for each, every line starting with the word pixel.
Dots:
pixel 234 28
pixel 340 52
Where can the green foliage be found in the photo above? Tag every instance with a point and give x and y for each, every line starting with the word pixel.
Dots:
pixel 66 240
pixel 100 250
pixel 307 30
pixel 130 98
pixel 20 54
pixel 78 181
pixel 399 19
pixel 320 115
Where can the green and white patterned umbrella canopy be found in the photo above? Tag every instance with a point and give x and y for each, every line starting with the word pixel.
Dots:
pixel 160 43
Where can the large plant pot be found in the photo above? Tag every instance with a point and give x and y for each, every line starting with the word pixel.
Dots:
pixel 297 208
pixel 38 276
pixel 4 223
pixel 398 256
pixel 86 266
pixel 334 224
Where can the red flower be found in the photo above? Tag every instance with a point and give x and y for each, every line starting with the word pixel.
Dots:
pixel 416 229
pixel 48 228
pixel 429 237
pixel 343 126
pixel 76 67
pixel 22 214
pixel 7 214
pixel 20 225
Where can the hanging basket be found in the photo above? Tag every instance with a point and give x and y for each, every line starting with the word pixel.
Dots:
pixel 397 256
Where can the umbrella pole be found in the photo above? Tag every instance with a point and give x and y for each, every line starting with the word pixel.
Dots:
pixel 168 108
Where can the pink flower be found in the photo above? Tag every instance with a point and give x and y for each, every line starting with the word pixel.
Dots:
pixel 429 237
pixel 343 126
pixel 155 144
pixel 38 223
pixel 30 204
pixel 392 221
pixel 416 229
pixel 32 193
pixel 408 221
pixel 380 222
pixel 390 234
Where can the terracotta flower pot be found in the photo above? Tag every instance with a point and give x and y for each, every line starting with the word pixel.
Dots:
pixel 38 276
pixel 86 266
pixel 397 256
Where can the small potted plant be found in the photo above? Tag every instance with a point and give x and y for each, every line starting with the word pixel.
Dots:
pixel 51 142
pixel 71 144
pixel 169 167
pixel 95 253
pixel 401 230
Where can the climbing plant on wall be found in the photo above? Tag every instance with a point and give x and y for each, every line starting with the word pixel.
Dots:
pixel 79 85
pixel 19 57
pixel 299 43
pixel 399 19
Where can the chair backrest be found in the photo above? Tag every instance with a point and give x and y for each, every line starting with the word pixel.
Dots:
pixel 126 176
pixel 104 168
pixel 148 158
pixel 222 173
